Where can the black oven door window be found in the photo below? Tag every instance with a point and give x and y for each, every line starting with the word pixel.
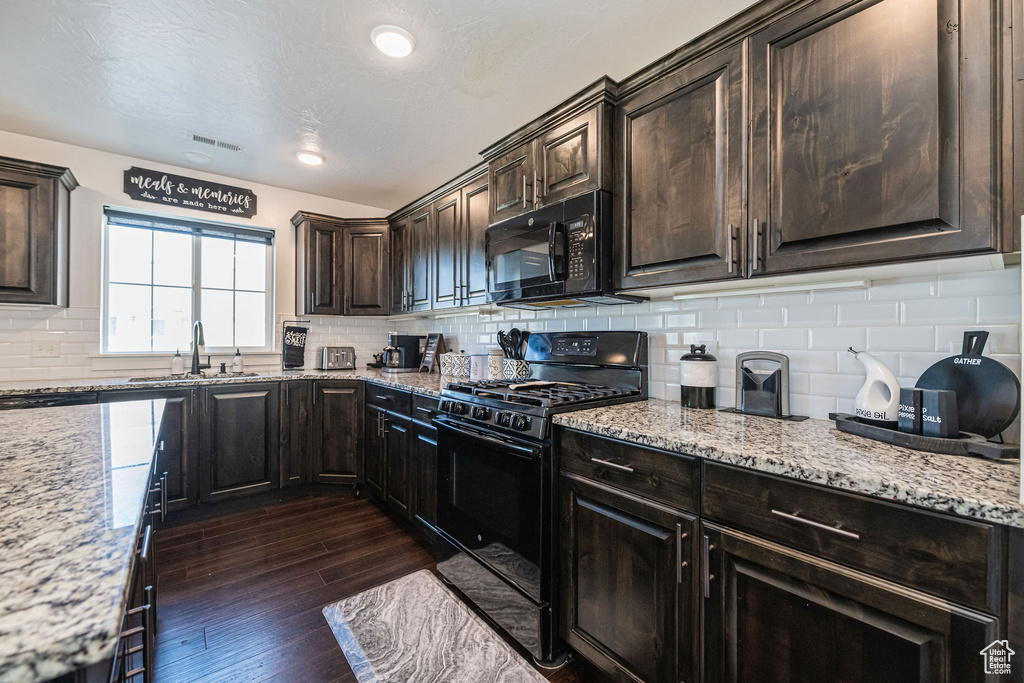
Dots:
pixel 531 258
pixel 489 501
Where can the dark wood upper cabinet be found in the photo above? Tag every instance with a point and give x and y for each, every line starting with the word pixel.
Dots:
pixel 680 215
pixel 447 212
pixel 401 279
pixel 239 440
pixel 338 431
pixel 874 133
pixel 318 260
pixel 421 241
pixel 773 614
pixel 297 438
pixel 473 261
pixel 569 160
pixel 367 269
pixel 342 265
pixel 628 599
pixel 35 202
pixel 510 183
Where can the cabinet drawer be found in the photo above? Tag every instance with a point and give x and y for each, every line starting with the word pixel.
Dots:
pixel 424 408
pixel 950 558
pixel 670 478
pixel 395 400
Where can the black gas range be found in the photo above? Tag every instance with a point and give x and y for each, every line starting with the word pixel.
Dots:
pixel 497 503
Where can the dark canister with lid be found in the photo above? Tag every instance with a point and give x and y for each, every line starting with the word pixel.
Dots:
pixel 698 377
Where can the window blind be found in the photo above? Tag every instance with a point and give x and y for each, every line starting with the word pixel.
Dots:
pixel 131 219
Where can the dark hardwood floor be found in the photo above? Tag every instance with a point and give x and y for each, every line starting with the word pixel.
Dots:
pixel 240 595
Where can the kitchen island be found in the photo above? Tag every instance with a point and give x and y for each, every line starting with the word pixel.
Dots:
pixel 73 485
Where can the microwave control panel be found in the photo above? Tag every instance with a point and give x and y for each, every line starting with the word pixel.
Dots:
pixel 581 248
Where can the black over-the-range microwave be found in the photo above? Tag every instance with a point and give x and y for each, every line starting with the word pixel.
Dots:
pixel 559 255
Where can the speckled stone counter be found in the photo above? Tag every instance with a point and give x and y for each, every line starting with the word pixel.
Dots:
pixel 815 451
pixel 421 383
pixel 72 486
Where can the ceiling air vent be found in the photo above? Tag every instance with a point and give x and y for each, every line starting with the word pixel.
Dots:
pixel 213 142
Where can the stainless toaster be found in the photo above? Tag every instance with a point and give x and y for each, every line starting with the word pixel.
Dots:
pixel 336 358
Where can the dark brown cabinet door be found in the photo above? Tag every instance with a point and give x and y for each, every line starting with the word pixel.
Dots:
pixel 447 249
pixel 569 158
pixel 367 269
pixel 373 449
pixel 423 463
pixel 239 442
pixel 874 136
pixel 396 457
pixel 400 279
pixel 421 266
pixel 510 183
pixel 179 438
pixel 628 583
pixel 34 218
pixel 318 267
pixel 473 261
pixel 681 182
pixel 338 423
pixel 773 614
pixel 296 433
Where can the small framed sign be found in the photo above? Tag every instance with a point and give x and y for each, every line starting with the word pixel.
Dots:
pixel 158 187
pixel 435 347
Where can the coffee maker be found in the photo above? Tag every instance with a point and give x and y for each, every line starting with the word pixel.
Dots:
pixel 402 354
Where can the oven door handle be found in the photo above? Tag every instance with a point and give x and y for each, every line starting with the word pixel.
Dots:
pixel 525 452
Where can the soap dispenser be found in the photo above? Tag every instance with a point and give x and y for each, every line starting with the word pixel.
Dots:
pixel 878 401
pixel 236 363
pixel 177 364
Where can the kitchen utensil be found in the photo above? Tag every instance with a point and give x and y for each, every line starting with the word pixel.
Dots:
pixel 878 400
pixel 760 393
pixel 987 392
pixel 524 344
pixel 515 339
pixel 698 378
pixel 504 343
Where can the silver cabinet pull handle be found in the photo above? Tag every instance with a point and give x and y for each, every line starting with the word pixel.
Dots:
pixel 757 232
pixel 624 468
pixel 794 517
pixel 707 546
pixel 732 247
pixel 163 497
pixel 144 550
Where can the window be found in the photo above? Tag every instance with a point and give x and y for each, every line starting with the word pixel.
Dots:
pixel 162 273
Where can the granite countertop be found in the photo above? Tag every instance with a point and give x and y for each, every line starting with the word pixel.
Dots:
pixel 73 481
pixel 815 451
pixel 420 383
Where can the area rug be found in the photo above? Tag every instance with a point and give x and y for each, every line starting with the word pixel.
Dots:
pixel 413 630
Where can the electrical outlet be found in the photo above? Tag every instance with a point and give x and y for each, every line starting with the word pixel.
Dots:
pixel 45 348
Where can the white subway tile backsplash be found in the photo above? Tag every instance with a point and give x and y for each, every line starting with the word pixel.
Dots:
pixel 719 318
pixel 785 339
pixel 945 310
pixel 840 338
pixel 681 320
pixel 744 340
pixel 1004 308
pixel 762 317
pixel 884 313
pixel 903 338
pixel 809 315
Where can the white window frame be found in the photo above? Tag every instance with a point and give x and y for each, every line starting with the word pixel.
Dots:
pixel 197 287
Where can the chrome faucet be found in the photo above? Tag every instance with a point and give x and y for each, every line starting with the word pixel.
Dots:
pixel 197 341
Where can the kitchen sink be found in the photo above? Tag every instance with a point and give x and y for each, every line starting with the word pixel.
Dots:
pixel 185 377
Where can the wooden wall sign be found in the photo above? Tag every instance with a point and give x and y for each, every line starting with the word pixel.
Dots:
pixel 147 185
pixel 432 352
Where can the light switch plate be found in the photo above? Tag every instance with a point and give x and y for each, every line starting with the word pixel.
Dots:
pixel 45 348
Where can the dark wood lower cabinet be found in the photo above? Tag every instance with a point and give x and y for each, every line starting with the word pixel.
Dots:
pixel 296 433
pixel 373 449
pixel 396 457
pixel 423 464
pixel 774 614
pixel 239 440
pixel 179 436
pixel 337 431
pixel 628 583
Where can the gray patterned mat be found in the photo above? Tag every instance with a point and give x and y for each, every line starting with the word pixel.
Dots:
pixel 413 630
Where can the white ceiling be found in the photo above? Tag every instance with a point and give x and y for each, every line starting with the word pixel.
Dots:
pixel 133 76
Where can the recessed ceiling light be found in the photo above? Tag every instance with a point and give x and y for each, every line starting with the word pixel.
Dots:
pixel 198 158
pixel 311 158
pixel 393 41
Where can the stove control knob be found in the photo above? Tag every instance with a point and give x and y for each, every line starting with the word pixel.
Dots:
pixel 445 406
pixel 503 419
pixel 520 422
pixel 481 413
pixel 458 408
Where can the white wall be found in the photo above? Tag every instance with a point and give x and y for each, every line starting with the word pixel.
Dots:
pixel 100 176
